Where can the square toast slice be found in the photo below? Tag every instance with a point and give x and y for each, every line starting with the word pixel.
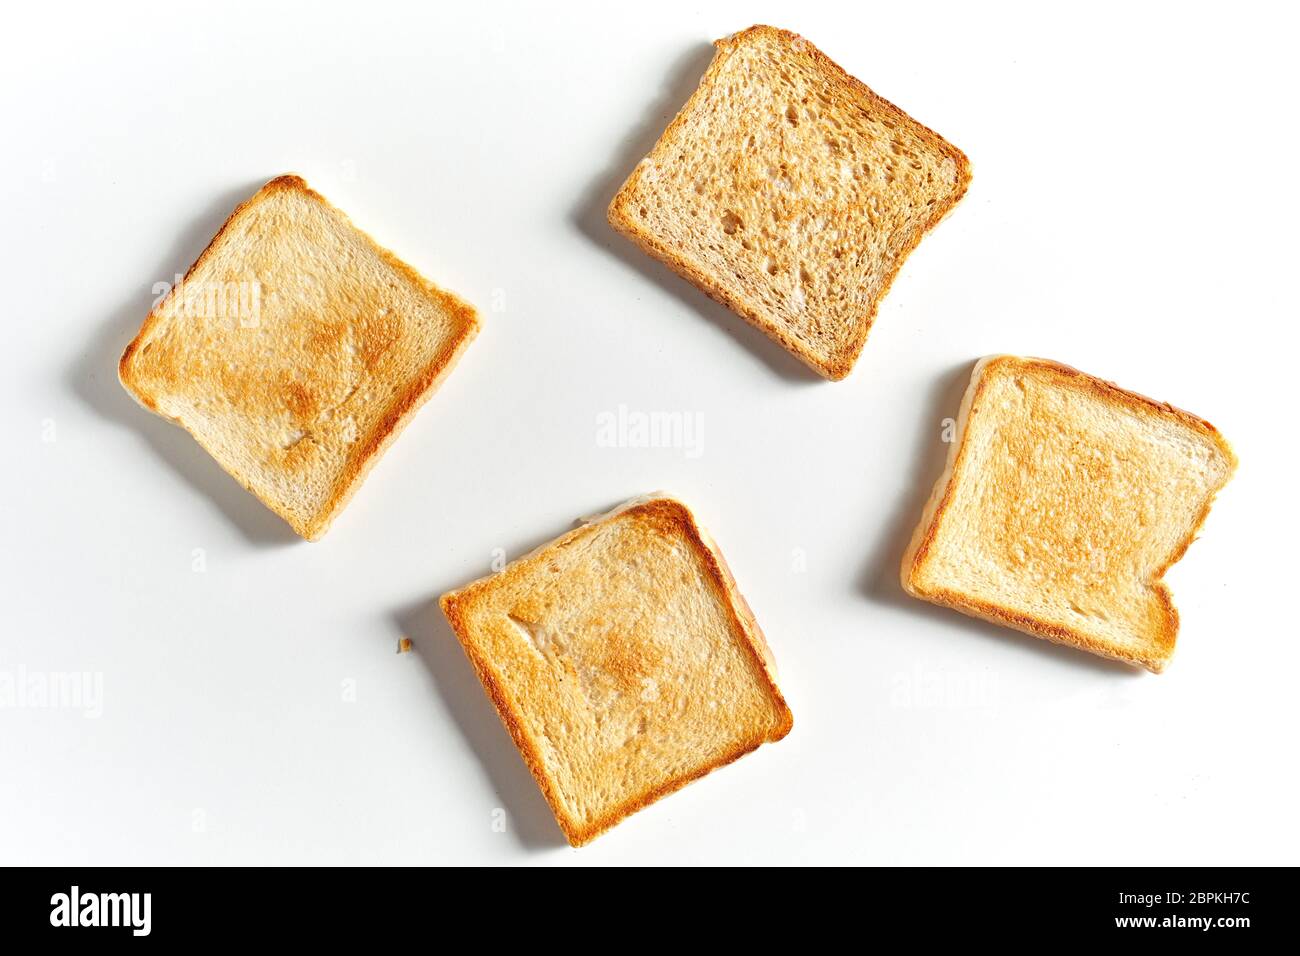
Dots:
pixel 622 660
pixel 791 193
pixel 295 350
pixel 1064 501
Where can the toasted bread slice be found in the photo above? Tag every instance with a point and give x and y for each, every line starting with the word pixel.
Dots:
pixel 791 193
pixel 623 661
pixel 295 350
pixel 1064 501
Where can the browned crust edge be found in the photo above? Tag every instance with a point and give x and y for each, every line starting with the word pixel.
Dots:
pixel 624 222
pixel 678 515
pixel 400 410
pixel 926 532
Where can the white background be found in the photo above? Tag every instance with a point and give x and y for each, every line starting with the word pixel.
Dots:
pixel 1132 213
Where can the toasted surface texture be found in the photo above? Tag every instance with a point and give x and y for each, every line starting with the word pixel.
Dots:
pixel 791 193
pixel 1064 501
pixel 623 661
pixel 295 350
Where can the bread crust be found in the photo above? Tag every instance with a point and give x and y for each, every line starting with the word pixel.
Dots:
pixel 621 218
pixel 673 516
pixel 941 497
pixel 400 410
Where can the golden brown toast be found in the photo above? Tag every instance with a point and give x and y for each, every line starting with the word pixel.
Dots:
pixel 295 350
pixel 1064 501
pixel 791 193
pixel 623 661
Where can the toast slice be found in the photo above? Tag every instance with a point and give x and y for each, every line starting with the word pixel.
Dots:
pixel 791 193
pixel 623 661
pixel 295 350
pixel 1064 501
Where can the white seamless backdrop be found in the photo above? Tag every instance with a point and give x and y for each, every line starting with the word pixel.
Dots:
pixel 1132 213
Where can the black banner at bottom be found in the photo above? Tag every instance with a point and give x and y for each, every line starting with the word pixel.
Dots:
pixel 96 905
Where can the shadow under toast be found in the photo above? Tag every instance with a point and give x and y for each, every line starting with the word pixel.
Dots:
pixel 531 822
